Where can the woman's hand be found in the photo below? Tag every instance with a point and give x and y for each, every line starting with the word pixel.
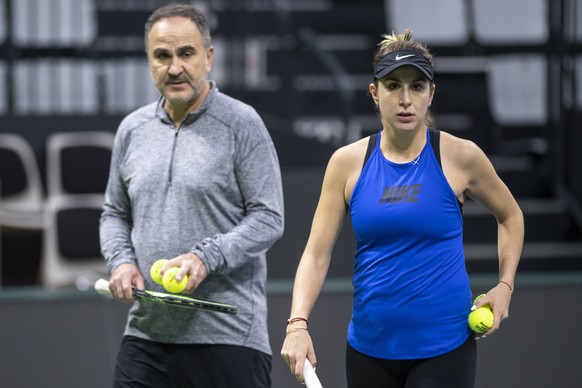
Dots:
pixel 296 348
pixel 499 298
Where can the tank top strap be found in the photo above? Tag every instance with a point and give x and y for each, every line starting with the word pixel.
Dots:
pixel 435 142
pixel 371 145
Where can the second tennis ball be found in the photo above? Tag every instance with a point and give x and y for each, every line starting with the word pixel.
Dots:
pixel 171 284
pixel 481 319
pixel 155 270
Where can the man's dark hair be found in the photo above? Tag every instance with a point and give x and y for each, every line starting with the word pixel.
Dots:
pixel 180 10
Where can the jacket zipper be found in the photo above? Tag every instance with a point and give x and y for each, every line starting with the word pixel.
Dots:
pixel 176 131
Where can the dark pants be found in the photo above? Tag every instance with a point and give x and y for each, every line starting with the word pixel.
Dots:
pixel 456 368
pixel 142 363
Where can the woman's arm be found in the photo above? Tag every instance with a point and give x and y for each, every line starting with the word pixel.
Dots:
pixel 312 270
pixel 485 187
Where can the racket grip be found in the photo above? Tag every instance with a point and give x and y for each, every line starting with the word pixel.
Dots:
pixel 102 287
pixel 311 379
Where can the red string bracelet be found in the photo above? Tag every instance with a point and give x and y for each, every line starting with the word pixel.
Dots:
pixel 297 319
pixel 507 284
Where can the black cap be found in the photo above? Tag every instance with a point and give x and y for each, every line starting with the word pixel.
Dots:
pixel 399 58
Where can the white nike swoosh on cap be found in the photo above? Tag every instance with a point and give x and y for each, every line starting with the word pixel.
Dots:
pixel 398 57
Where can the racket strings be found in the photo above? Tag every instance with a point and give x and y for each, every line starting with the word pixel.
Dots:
pixel 183 301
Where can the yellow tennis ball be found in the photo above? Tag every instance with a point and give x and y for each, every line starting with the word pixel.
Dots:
pixel 171 284
pixel 481 319
pixel 155 270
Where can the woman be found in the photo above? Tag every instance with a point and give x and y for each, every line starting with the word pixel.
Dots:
pixel 404 189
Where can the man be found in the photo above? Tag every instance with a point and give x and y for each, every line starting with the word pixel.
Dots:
pixel 195 179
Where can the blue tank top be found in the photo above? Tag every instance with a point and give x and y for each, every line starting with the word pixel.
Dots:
pixel 411 288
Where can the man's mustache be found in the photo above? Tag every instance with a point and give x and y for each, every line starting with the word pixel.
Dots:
pixel 172 80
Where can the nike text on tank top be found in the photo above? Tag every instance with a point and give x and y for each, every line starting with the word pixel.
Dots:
pixel 411 289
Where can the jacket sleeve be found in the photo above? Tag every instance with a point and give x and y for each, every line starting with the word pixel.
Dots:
pixel 116 220
pixel 259 178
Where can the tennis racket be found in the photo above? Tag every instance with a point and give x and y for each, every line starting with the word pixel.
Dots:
pixel 102 287
pixel 311 379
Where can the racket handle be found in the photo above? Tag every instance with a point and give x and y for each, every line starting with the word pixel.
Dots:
pixel 311 379
pixel 102 287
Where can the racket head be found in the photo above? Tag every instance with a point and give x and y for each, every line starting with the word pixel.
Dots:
pixel 183 301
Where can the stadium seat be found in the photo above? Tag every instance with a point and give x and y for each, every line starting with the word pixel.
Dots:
pixel 22 195
pixel 496 24
pixel 77 172
pixel 78 162
pixel 71 252
pixel 437 23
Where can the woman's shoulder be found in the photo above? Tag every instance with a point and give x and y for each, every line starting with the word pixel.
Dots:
pixel 351 154
pixel 345 165
pixel 462 151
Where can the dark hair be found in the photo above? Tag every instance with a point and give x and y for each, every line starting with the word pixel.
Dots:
pixel 393 42
pixel 180 10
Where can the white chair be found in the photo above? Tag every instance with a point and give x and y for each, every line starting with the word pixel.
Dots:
pixel 502 22
pixel 22 208
pixel 519 90
pixel 71 252
pixel 77 171
pixel 442 22
pixel 78 162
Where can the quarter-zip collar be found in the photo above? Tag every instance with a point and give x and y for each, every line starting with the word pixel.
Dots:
pixel 192 116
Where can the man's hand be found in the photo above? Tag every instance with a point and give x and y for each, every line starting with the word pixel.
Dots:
pixel 123 279
pixel 191 265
